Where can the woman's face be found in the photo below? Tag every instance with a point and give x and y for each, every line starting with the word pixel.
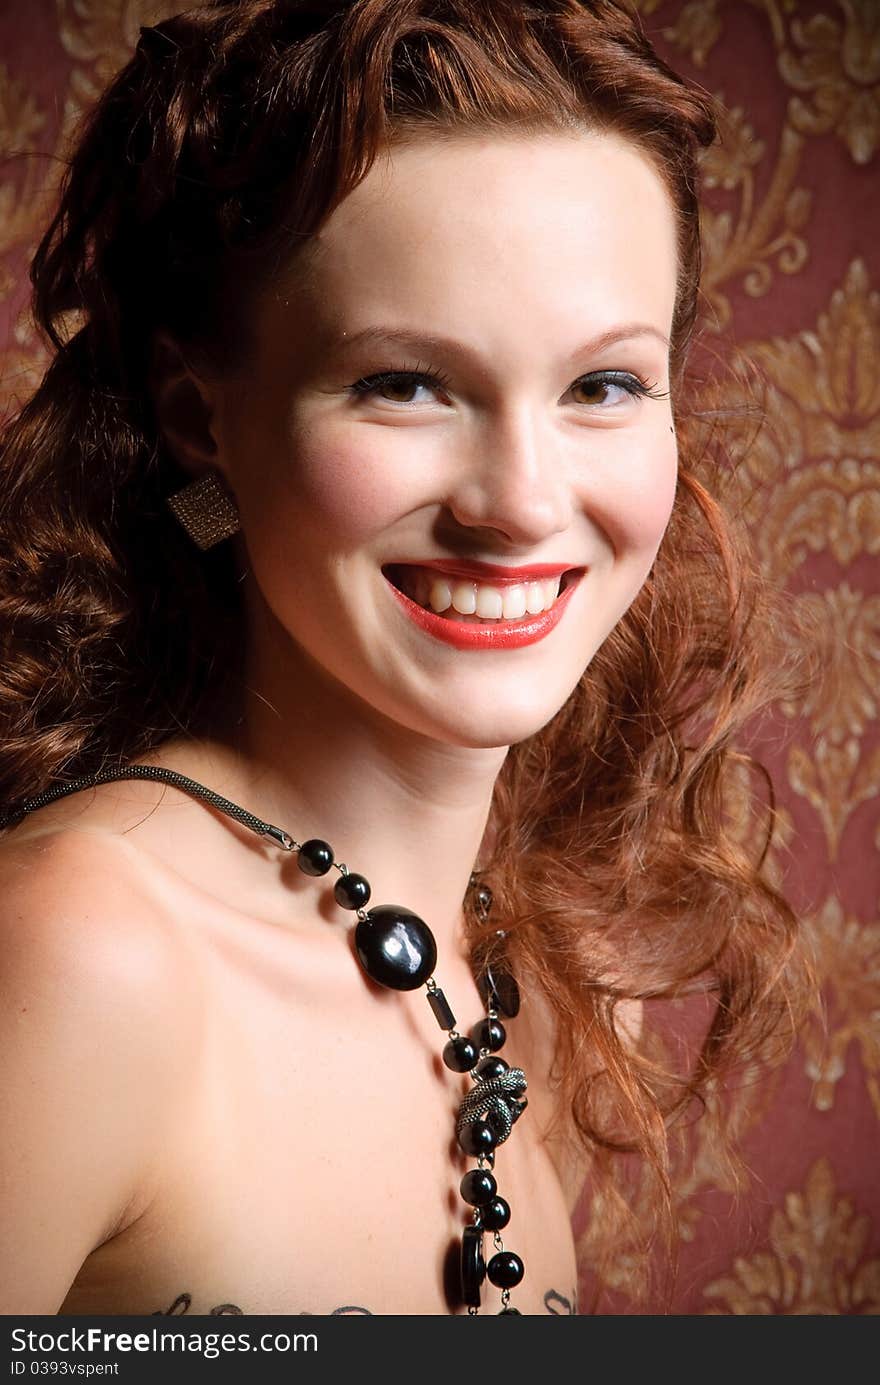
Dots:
pixel 499 439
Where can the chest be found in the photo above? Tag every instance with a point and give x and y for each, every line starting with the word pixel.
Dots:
pixel 316 1169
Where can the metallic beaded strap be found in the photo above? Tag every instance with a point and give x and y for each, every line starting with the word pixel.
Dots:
pixel 163 776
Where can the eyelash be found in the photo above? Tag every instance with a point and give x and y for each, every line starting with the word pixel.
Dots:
pixel 633 384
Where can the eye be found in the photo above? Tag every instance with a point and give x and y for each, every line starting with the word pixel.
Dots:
pixel 397 386
pixel 598 383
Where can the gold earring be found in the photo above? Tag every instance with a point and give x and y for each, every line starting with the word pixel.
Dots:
pixel 206 510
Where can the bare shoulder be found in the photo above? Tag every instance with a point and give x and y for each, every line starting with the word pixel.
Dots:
pixel 95 1009
pixel 79 902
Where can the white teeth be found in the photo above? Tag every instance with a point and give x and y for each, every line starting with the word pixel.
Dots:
pixel 440 595
pixel 535 598
pixel 464 598
pixel 479 600
pixel 490 603
pixel 513 603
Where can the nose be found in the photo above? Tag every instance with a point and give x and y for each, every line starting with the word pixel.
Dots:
pixel 512 480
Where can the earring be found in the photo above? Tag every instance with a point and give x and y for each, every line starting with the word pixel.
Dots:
pixel 482 896
pixel 206 510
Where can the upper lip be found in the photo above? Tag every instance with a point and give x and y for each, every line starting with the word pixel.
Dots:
pixel 491 573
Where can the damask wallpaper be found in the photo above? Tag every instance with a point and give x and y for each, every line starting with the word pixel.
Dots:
pixel 791 299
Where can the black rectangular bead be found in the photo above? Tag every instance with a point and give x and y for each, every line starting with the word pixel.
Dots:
pixel 442 1013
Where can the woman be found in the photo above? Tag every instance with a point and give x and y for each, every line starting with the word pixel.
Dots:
pixel 354 496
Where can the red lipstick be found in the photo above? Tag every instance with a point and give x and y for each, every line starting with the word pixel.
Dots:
pixel 489 634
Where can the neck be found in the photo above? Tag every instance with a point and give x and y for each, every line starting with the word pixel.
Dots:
pixel 405 810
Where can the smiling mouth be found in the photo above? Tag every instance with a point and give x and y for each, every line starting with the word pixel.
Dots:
pixel 469 601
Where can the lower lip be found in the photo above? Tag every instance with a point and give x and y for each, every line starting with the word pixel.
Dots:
pixel 495 634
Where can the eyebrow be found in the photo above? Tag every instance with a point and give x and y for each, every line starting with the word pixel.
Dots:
pixel 418 341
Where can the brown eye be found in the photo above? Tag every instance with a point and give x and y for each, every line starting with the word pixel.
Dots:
pixel 594 389
pixel 399 388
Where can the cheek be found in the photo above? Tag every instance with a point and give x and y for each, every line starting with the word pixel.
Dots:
pixel 641 499
pixel 329 488
pixel 348 485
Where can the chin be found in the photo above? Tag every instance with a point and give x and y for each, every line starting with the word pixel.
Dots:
pixel 490 727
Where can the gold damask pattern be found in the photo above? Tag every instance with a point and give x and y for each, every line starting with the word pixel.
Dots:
pixel 801 409
pixel 848 952
pixel 809 482
pixel 749 245
pixel 801 412
pixel 100 36
pixel 831 61
pixel 814 1263
pixel 835 58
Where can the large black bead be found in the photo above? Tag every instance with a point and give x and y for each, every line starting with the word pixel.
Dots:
pixel 489 1034
pixel 352 891
pixel 508 1313
pixel 505 1269
pixel 495 1215
pixel 473 1266
pixel 499 990
pixel 477 1137
pixel 478 1187
pixel 395 947
pixel 490 1067
pixel 460 1054
pixel 315 857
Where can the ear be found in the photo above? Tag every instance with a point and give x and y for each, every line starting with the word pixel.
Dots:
pixel 183 407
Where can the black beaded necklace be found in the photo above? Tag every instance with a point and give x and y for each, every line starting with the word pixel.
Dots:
pixel 397 949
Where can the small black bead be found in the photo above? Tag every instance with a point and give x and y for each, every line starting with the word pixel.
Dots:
pixel 489 1034
pixel 459 1054
pixel 352 891
pixel 315 857
pixel 505 1269
pixel 495 1215
pixel 478 1187
pixel 490 1067
pixel 441 1009
pixel 477 1137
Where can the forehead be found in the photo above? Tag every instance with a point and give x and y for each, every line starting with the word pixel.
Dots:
pixel 488 231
